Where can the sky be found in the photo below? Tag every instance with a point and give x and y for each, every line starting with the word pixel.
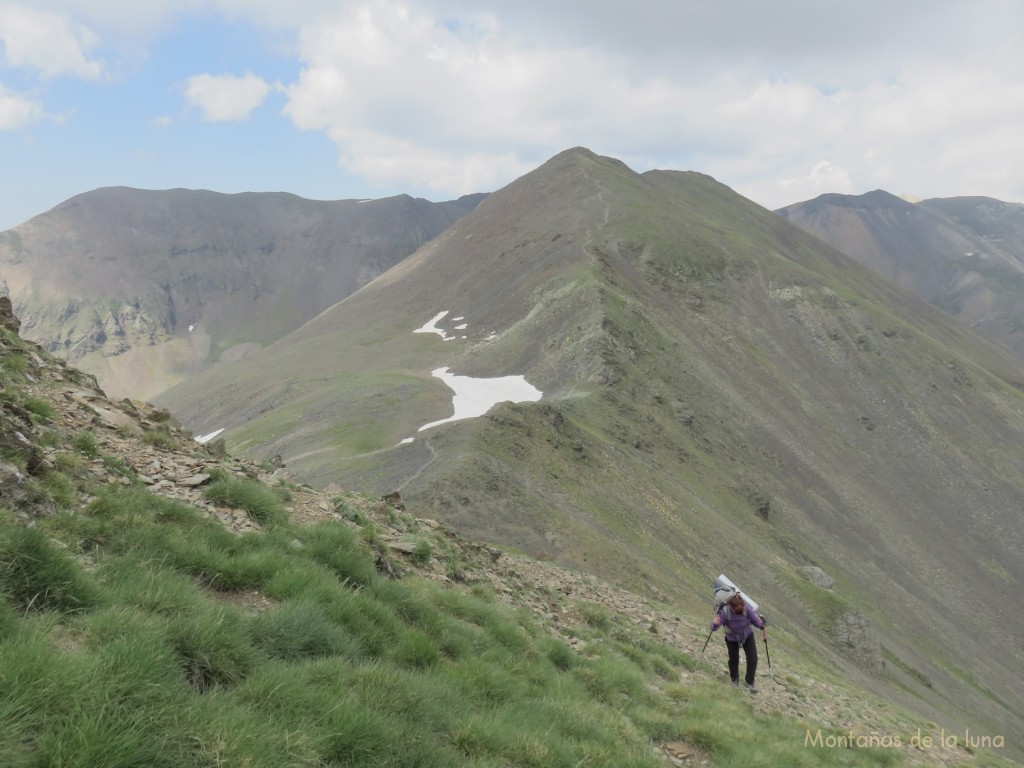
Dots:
pixel 340 99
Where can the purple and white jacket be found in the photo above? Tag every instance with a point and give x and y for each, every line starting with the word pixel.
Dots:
pixel 738 625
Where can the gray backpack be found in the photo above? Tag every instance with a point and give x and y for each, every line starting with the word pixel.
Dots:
pixel 723 594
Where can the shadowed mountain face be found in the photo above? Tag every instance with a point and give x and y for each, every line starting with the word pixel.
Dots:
pixel 963 254
pixel 143 288
pixel 722 392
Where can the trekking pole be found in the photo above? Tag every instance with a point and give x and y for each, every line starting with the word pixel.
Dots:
pixel 768 656
pixel 706 644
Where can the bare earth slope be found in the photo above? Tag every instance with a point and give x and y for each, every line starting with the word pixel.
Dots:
pixel 143 288
pixel 963 254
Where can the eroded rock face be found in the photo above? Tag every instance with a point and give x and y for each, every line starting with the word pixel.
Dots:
pixel 818 577
pixel 12 483
pixel 7 318
pixel 853 633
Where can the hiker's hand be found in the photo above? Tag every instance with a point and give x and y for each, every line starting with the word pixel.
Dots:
pixel 764 622
pixel 717 620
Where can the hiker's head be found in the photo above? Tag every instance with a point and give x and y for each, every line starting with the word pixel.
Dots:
pixel 736 603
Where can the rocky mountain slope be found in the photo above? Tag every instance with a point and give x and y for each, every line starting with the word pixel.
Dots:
pixel 721 391
pixel 59 401
pixel 965 255
pixel 143 288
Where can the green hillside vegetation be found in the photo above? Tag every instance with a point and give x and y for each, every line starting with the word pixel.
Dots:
pixel 130 636
pixel 722 392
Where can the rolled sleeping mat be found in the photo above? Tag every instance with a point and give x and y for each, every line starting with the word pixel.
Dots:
pixel 724 581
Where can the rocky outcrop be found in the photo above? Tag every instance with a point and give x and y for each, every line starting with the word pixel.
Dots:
pixel 852 632
pixel 818 577
pixel 7 318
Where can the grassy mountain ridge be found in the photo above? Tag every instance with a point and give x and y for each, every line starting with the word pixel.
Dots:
pixel 143 288
pixel 163 606
pixel 721 392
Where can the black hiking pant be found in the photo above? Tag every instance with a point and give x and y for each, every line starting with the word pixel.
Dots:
pixel 750 651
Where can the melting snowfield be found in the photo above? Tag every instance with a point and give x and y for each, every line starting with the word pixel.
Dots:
pixel 431 327
pixel 207 438
pixel 474 397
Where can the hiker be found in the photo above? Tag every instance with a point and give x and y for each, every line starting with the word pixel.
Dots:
pixel 738 619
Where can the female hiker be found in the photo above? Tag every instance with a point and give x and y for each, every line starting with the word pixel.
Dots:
pixel 738 619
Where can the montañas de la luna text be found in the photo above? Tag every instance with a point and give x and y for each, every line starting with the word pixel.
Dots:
pixel 920 740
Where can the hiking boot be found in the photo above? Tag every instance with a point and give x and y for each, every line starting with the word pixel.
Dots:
pixel 735 683
pixel 751 688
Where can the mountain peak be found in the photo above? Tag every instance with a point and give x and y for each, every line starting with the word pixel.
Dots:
pixel 877 198
pixel 583 157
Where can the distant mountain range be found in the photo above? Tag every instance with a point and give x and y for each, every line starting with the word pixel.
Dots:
pixel 722 392
pixel 965 255
pixel 144 288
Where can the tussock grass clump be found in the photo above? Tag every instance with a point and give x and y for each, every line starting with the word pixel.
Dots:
pixel 558 653
pixel 300 630
pixel 15 363
pixel 151 587
pixel 213 648
pixel 338 548
pixel 38 575
pixel 511 637
pixel 477 606
pixel 596 616
pixel 357 736
pixel 133 504
pixel 375 624
pixel 305 580
pixel 417 650
pixel 43 410
pixel 69 463
pixel 8 617
pixel 224 563
pixel 120 517
pixel 487 683
pixel 610 678
pixel 159 437
pixel 153 657
pixel 118 466
pixel 260 502
pixel 61 488
pixel 423 552
pixel 85 443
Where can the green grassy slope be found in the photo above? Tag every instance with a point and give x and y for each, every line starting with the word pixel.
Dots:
pixel 722 393
pixel 136 629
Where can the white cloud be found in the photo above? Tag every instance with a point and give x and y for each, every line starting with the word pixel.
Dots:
pixel 457 96
pixel 16 111
pixel 226 98
pixel 443 96
pixel 47 42
pixel 450 107
pixel 798 183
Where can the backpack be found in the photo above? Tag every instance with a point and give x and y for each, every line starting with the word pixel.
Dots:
pixel 723 594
